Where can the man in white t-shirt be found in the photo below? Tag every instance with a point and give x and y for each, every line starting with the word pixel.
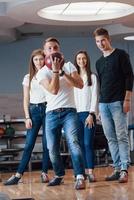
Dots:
pixel 61 113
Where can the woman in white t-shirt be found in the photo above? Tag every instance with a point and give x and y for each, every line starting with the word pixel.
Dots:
pixel 86 101
pixel 34 103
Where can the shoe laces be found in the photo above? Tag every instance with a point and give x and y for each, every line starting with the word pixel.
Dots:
pixel 11 178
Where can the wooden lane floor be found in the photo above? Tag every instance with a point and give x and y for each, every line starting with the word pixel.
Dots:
pixel 31 186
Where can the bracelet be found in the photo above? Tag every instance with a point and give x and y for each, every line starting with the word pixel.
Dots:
pixel 27 118
pixel 62 73
pixel 56 72
pixel 92 114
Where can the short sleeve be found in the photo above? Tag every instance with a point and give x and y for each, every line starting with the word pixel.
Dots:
pixel 41 74
pixel 26 80
pixel 70 68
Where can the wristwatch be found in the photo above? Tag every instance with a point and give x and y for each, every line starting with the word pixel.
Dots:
pixel 92 114
pixel 62 73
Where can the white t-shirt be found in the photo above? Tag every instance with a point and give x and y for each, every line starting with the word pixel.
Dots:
pixel 65 96
pixel 86 99
pixel 37 92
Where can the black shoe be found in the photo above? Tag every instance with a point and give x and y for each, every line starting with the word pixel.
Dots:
pixel 12 181
pixel 113 177
pixel 55 181
pixel 91 178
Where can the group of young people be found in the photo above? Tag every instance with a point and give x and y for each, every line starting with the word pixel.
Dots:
pixel 67 99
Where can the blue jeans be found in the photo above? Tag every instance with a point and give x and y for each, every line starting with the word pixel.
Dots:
pixel 114 122
pixel 67 119
pixel 86 137
pixel 37 114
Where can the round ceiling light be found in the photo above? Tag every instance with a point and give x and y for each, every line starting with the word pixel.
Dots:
pixel 86 11
pixel 129 37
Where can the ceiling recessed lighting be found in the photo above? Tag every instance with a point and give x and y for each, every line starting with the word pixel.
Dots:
pixel 86 11
pixel 129 37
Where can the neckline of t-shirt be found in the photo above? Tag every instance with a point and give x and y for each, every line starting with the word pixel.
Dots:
pixel 110 53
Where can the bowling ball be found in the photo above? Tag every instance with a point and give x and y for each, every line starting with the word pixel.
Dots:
pixel 9 131
pixel 2 131
pixel 48 62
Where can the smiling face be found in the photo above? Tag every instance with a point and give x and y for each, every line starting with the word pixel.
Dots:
pixel 81 60
pixel 38 61
pixel 103 43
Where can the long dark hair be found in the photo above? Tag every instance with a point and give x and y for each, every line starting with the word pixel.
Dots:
pixel 32 69
pixel 87 68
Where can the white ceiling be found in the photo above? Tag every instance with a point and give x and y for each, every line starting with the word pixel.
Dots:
pixel 19 19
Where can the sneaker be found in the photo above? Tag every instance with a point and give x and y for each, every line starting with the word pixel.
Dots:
pixel 44 178
pixel 113 177
pixel 85 177
pixel 123 177
pixel 55 181
pixel 91 178
pixel 12 181
pixel 80 184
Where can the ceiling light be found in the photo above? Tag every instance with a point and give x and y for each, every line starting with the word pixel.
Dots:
pixel 86 11
pixel 129 37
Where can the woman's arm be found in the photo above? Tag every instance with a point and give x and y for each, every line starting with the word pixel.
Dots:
pixel 94 95
pixel 26 97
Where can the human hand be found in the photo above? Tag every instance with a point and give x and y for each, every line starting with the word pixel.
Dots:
pixel 56 63
pixel 99 117
pixel 89 121
pixel 126 106
pixel 28 123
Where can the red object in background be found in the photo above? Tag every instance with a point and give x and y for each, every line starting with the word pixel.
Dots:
pixel 48 62
pixel 2 131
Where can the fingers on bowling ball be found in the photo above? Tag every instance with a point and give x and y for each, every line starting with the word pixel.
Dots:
pixel 48 62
